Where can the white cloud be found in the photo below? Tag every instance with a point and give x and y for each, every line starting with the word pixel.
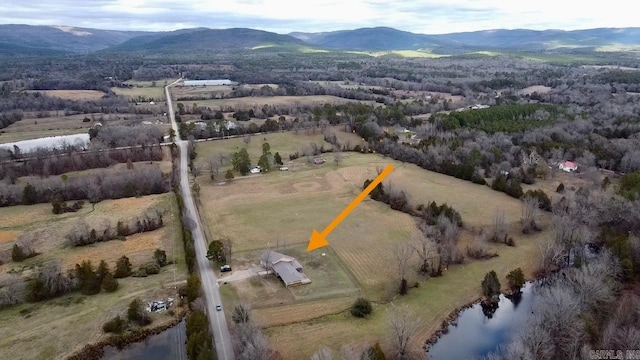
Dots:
pixel 424 16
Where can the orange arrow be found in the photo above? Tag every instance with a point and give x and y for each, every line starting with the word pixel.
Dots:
pixel 319 240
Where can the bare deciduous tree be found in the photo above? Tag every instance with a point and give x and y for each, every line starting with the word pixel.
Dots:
pixel 196 170
pixel 551 254
pixel 499 228
pixel 402 327
pixel 337 156
pixel 402 254
pixel 530 207
pixel 424 246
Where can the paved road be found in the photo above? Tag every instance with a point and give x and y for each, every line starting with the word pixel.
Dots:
pixel 217 320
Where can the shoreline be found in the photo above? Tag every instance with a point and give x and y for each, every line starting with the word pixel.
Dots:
pixel 96 350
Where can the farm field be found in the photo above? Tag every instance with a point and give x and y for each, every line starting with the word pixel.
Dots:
pixel 260 211
pixel 285 143
pixel 253 101
pixel 52 328
pixel 141 93
pixel 74 94
pixel 210 92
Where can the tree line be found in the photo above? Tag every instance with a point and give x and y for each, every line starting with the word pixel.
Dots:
pixel 99 185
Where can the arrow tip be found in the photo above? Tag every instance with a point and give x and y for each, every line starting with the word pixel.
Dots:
pixel 317 241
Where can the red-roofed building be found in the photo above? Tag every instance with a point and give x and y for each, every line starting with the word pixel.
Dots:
pixel 568 166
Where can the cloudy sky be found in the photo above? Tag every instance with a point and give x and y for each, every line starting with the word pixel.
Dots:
pixel 283 16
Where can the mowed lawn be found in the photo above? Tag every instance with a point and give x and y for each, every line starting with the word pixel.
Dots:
pixel 56 328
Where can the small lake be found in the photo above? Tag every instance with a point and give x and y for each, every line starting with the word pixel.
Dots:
pixel 477 335
pixel 167 345
pixel 48 142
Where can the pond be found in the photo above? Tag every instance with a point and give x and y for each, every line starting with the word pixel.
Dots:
pixel 48 142
pixel 476 335
pixel 167 345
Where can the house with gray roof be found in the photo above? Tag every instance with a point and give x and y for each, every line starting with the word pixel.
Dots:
pixel 285 267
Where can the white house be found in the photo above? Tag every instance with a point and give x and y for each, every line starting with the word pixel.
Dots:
pixel 568 166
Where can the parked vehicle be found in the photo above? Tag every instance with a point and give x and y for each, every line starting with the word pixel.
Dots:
pixel 225 268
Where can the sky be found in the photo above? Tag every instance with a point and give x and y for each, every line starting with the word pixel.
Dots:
pixel 284 16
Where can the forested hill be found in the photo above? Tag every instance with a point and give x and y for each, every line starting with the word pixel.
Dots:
pixel 378 38
pixel 203 39
pixel 19 40
pixel 382 38
pixel 42 40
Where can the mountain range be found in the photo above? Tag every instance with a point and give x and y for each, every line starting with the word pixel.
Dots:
pixel 41 40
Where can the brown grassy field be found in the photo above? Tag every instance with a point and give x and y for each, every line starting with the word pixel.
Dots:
pixel 52 229
pixel 253 101
pixel 56 328
pixel 155 93
pixel 207 92
pixel 75 95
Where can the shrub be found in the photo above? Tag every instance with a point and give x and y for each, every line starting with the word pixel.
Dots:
pixel 560 188
pixel 491 284
pixel 123 268
pixel 229 175
pixel 544 203
pixel 160 256
pixel 361 308
pixel 139 272
pixel 116 325
pixel 152 268
pixel 18 254
pixel 136 313
pixel 516 278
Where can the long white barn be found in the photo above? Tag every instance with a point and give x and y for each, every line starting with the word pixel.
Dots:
pixel 216 82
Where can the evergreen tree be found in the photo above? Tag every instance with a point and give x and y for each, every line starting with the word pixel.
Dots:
pixel 29 195
pixel 160 256
pixel 109 283
pixel 277 159
pixel 123 268
pixel 241 161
